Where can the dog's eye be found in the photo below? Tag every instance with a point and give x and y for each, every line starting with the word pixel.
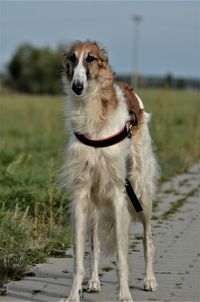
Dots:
pixel 73 58
pixel 90 59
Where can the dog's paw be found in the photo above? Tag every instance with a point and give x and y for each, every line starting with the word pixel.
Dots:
pixel 93 286
pixel 150 284
pixel 126 298
pixel 69 300
pixel 73 298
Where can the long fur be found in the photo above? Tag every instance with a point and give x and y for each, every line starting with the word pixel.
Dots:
pixel 95 178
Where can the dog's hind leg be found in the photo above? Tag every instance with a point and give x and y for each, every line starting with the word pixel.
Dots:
pixel 122 221
pixel 149 251
pixel 79 216
pixel 94 283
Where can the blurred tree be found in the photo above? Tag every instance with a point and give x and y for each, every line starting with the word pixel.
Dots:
pixel 168 81
pixel 181 84
pixel 35 70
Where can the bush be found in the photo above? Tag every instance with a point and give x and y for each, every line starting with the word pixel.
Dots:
pixel 25 241
pixel 35 70
pixel 15 233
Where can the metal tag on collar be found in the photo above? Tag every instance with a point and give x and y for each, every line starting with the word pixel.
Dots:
pixel 133 119
pixel 133 126
pixel 133 130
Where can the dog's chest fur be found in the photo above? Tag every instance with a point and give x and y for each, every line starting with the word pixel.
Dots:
pixel 94 171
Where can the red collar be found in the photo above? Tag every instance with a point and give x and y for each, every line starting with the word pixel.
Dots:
pixel 105 142
pixel 127 131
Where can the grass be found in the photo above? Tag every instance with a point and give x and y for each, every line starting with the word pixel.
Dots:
pixel 32 141
pixel 175 128
pixel 175 206
pixel 33 209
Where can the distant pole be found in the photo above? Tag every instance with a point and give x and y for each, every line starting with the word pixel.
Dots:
pixel 135 72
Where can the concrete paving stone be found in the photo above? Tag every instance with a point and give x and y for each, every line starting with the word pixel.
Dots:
pixel 177 261
pixel 195 169
pixel 165 187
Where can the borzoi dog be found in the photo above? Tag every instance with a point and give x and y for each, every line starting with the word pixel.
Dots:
pixel 109 162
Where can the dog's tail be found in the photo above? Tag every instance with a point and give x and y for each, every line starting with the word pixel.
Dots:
pixel 107 230
pixel 107 233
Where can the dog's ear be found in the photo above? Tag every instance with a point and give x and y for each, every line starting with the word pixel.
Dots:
pixel 103 57
pixel 65 55
pixel 67 50
pixel 66 65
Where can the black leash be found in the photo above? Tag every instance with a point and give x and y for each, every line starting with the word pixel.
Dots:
pixel 133 197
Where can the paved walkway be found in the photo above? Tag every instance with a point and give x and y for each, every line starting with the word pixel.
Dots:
pixel 176 229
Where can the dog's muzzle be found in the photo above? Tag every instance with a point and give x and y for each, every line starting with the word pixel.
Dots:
pixel 77 87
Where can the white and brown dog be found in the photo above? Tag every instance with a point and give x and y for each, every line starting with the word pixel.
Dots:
pixel 104 150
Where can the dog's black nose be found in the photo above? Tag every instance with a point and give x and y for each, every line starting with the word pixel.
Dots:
pixel 77 87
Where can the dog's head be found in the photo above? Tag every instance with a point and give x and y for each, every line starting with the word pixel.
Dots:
pixel 85 63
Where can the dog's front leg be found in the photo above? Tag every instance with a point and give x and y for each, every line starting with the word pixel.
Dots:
pixel 122 219
pixel 79 216
pixel 94 283
pixel 149 251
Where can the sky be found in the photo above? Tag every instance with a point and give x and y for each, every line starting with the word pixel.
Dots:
pixel 168 34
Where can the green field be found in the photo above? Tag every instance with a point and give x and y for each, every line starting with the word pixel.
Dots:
pixel 33 209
